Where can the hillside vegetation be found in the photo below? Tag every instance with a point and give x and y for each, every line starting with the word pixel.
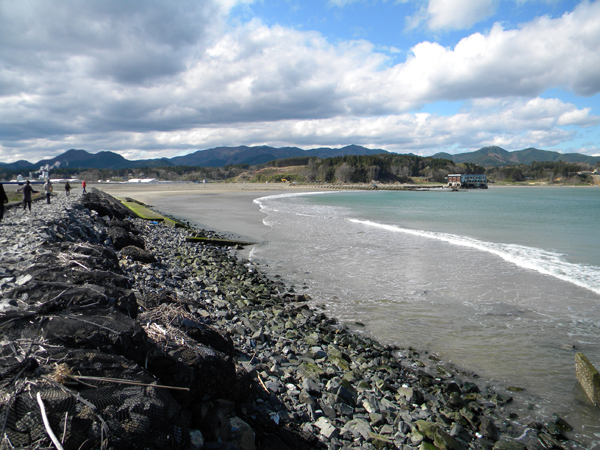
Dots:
pixel 545 172
pixel 381 168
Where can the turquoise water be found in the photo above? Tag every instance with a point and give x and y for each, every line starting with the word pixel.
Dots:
pixel 505 281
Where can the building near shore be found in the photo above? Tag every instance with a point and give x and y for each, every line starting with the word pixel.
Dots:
pixel 143 180
pixel 463 181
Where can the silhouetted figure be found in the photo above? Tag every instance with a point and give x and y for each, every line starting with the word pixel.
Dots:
pixel 3 200
pixel 48 190
pixel 27 191
pixel 67 189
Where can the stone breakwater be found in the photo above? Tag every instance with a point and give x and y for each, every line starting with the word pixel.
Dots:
pixel 126 336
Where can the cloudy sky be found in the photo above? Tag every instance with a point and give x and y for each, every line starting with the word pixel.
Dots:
pixel 155 78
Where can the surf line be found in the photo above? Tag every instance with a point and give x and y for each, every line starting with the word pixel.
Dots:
pixel 541 261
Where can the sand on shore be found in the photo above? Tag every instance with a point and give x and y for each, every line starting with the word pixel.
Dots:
pixel 223 207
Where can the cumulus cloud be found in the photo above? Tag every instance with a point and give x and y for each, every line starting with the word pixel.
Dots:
pixel 120 40
pixel 510 123
pixel 168 77
pixel 457 14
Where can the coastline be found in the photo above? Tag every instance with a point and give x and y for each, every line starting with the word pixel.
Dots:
pixel 524 402
pixel 225 208
pixel 309 375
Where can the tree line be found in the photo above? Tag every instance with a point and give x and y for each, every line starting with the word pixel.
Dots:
pixel 549 171
pixel 381 168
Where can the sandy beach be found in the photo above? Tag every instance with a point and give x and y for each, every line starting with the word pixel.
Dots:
pixel 227 208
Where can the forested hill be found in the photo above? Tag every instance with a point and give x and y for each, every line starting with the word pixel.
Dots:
pixel 213 157
pixel 497 156
pixel 383 168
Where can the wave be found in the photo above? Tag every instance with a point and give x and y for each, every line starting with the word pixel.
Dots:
pixel 542 261
pixel 260 201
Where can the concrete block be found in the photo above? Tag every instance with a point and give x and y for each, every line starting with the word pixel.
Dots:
pixel 588 377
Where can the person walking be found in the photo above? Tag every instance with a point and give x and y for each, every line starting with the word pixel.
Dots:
pixel 83 186
pixel 27 191
pixel 48 190
pixel 3 200
pixel 67 189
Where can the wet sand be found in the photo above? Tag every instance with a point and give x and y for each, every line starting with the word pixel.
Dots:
pixel 227 208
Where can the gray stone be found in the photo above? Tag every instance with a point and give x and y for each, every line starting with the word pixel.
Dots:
pixel 488 429
pixel 311 386
pixel 328 430
pixel 358 427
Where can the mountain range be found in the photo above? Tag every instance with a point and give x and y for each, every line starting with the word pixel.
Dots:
pixel 497 156
pixel 214 157
pixel 222 156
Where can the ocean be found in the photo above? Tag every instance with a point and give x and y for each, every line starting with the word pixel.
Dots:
pixel 503 282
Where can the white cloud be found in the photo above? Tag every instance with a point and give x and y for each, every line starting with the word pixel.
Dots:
pixel 457 14
pixel 114 76
pixel 509 123
pixel 545 53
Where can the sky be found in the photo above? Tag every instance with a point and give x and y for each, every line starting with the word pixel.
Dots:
pixel 158 78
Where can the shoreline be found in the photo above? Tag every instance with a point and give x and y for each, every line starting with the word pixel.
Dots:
pixel 227 209
pixel 300 380
pixel 524 400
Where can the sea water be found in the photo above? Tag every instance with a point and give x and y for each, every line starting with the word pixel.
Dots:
pixel 504 282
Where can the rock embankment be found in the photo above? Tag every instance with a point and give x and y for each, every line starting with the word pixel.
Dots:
pixel 127 336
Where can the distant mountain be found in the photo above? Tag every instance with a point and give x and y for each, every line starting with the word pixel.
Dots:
pixel 223 156
pixel 497 156
pixel 17 165
pixel 80 158
pixel 214 157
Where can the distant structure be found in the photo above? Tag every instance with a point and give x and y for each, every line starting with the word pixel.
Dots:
pixel 143 180
pixel 462 181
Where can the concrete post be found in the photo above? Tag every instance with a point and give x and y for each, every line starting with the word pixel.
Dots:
pixel 588 377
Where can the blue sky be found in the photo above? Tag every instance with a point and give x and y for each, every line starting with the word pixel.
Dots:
pixel 160 79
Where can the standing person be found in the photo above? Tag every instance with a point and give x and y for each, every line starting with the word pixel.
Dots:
pixel 83 186
pixel 3 200
pixel 27 191
pixel 67 189
pixel 48 190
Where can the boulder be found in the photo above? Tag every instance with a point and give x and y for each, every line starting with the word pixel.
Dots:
pixel 137 254
pixel 121 238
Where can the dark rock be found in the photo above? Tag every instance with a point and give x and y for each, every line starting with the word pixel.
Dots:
pixel 488 429
pixel 122 238
pixel 138 254
pixel 125 224
pixel 104 205
pixel 108 331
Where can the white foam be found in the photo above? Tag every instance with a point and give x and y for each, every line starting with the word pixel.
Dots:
pixel 260 200
pixel 539 260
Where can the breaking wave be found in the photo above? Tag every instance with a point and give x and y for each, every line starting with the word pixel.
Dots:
pixel 542 261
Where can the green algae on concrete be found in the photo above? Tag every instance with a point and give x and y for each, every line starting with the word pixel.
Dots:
pixel 141 210
pixel 588 377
